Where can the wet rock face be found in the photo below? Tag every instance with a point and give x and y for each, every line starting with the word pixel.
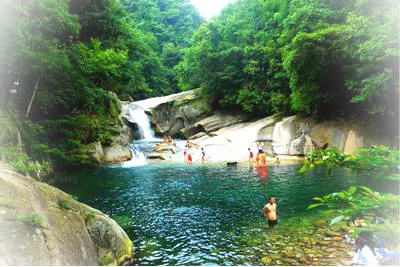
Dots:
pixel 41 225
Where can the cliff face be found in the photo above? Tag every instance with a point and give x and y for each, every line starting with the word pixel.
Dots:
pixel 41 225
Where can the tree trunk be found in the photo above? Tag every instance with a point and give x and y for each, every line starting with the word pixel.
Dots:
pixel 33 96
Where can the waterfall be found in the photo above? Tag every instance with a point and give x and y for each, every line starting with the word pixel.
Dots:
pixel 137 115
pixel 138 158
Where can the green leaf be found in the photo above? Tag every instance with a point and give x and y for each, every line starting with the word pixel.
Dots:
pixel 312 206
pixel 318 199
pixel 337 219
pixel 304 168
pixel 351 190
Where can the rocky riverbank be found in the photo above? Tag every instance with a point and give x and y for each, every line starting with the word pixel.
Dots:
pixel 307 243
pixel 228 135
pixel 41 225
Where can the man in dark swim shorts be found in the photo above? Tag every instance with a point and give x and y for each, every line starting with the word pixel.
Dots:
pixel 270 211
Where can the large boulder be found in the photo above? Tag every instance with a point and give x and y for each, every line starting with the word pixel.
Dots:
pixel 41 225
pixel 359 136
pixel 297 135
pixel 117 153
pixel 95 151
pixel 182 111
pixel 289 135
pixel 330 134
pixel 213 123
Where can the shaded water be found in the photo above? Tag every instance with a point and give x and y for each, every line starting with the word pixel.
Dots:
pixel 201 214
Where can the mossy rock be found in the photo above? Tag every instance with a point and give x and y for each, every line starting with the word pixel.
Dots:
pixel 107 258
pixel 108 236
pixel 266 260
pixel 45 226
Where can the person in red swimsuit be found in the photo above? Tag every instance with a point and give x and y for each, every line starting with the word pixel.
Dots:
pixel 190 159
pixel 251 155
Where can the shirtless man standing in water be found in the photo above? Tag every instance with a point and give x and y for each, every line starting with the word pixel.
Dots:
pixel 270 211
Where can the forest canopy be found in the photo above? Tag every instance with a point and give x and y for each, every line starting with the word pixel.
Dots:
pixel 315 57
pixel 66 60
pixel 65 63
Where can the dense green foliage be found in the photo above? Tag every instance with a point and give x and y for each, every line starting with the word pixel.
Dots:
pixel 318 57
pixel 382 161
pixel 68 60
pixel 379 211
pixel 172 22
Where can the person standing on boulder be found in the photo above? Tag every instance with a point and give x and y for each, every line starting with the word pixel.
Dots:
pixel 270 211
pixel 203 154
pixel 185 152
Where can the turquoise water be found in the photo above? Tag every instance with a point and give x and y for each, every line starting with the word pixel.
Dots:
pixel 205 214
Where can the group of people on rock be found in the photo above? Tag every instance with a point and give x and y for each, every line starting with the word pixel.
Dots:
pixel 188 156
pixel 168 139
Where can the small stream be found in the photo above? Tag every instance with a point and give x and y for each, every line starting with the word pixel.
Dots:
pixel 206 214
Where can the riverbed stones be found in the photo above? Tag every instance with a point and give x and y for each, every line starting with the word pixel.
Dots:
pixel 323 243
pixel 330 250
pixel 306 244
pixel 266 260
pixel 333 234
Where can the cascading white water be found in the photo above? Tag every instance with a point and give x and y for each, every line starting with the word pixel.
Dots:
pixel 138 158
pixel 136 114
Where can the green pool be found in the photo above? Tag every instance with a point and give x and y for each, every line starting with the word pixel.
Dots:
pixel 204 214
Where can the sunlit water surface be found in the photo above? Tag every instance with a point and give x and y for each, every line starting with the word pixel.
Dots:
pixel 201 214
